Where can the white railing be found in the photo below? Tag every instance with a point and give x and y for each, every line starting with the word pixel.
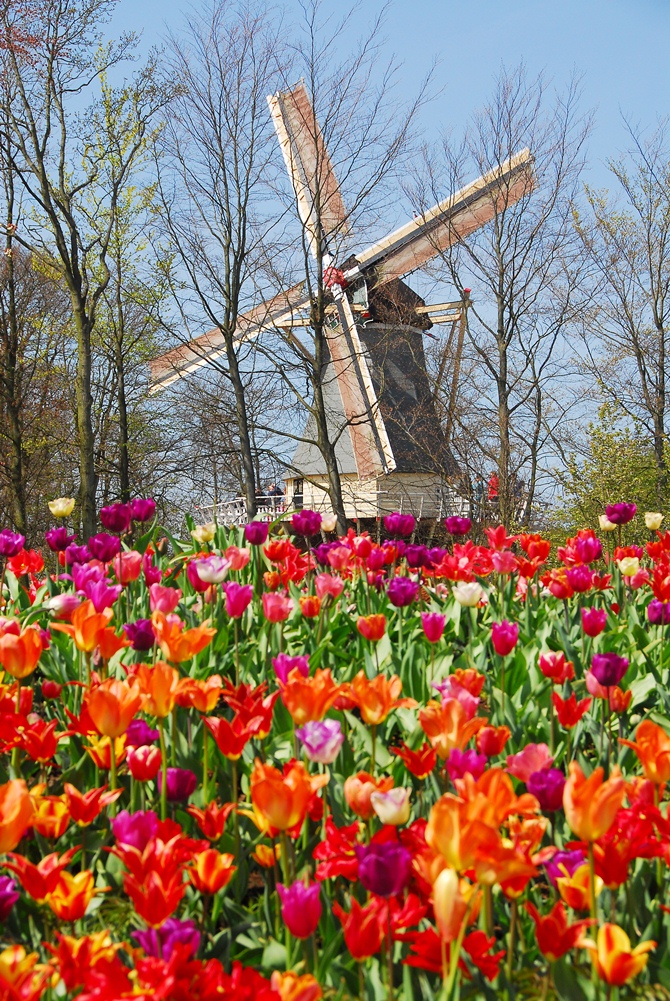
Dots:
pixel 234 512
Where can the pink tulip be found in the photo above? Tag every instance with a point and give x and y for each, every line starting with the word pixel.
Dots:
pixel 433 626
pixel 325 584
pixel 594 621
pixel 504 636
pixel 163 599
pixel 238 558
pixel 533 758
pixel 277 606
pixel 503 562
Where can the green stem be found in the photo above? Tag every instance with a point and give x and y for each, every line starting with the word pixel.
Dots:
pixel 510 945
pixel 205 762
pixel 173 739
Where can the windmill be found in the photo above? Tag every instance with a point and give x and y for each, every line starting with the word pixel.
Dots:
pixel 391 449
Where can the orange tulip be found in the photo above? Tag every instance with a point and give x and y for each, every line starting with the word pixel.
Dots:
pixel 371 627
pixel 51 816
pixel 451 902
pixel 212 870
pixel 574 890
pixel 492 798
pixel 19 654
pixel 112 705
pixel 309 699
pixel 615 961
pixel 447 726
pixel 179 644
pixel 75 958
pixel 200 695
pixel 456 835
pixel 265 856
pixel 292 987
pixel 159 686
pixel 87 625
pixel 652 746
pixel 16 813
pixel 280 799
pixel 85 807
pixel 211 820
pixel 359 788
pixel 109 643
pixel 590 804
pixel 20 976
pixel 99 749
pixel 376 698
pixel 310 606
pixel 72 895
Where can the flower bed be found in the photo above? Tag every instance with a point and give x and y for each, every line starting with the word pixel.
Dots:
pixel 285 768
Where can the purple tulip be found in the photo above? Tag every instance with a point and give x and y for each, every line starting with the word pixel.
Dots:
pixel 116 518
pixel 658 612
pixel 306 523
pixel 457 526
pixel 141 634
pixel 135 829
pixel 181 783
pixel 321 740
pixel 83 574
pixel 11 543
pixel 102 594
pixel 57 539
pixel 383 867
pixel 139 733
pixel 460 763
pixel 77 554
pixel 399 545
pixel 104 547
pixel 569 861
pixel 142 509
pixel 588 548
pixel 320 552
pixel 256 532
pixel 504 636
pixel 301 907
pixel 436 555
pixel 283 665
pixel 580 578
pixel 417 556
pixel 399 524
pixel 621 514
pixel 402 591
pixel 8 896
pixel 547 786
pixel 608 668
pixel 160 942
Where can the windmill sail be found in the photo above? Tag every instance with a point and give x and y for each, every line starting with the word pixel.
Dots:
pixel 422 239
pixel 369 437
pixel 309 166
pixel 188 358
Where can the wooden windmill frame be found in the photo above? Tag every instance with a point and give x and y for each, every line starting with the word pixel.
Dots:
pixel 393 452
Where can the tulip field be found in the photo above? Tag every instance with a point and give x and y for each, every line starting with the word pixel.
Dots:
pixel 270 764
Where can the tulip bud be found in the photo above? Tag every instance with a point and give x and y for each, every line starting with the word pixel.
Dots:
pixel 328 522
pixel 629 566
pixel 391 807
pixel 605 524
pixel 652 520
pixel 51 689
pixel 204 533
pixel 61 507
pixel 468 594
pixel 446 900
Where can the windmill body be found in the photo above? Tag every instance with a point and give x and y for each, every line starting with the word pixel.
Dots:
pixel 392 450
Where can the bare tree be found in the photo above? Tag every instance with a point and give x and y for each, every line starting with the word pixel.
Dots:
pixel 627 237
pixel 525 271
pixel 52 141
pixel 213 163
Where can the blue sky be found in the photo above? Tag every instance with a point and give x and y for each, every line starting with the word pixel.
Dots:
pixel 620 46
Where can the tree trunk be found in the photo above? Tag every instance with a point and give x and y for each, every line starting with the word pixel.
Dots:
pixel 87 474
pixel 124 458
pixel 248 474
pixel 659 425
pixel 504 455
pixel 13 404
